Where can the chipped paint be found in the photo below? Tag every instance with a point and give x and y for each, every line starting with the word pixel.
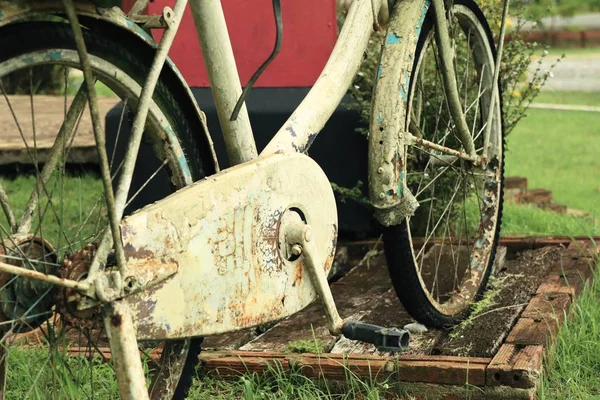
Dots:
pixel 224 234
pixel 387 136
pixel 392 38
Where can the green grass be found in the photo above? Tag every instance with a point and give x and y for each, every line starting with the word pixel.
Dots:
pixel 573 367
pixel 571 98
pixel 62 219
pixel 557 151
pixel 57 377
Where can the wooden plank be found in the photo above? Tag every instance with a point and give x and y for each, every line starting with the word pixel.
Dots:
pixel 578 269
pixel 342 368
pixel 585 248
pixel 235 365
pixel 429 369
pixel 461 371
pixel 49 112
pixel 529 331
pixel 560 284
pixel 544 307
pixel 516 366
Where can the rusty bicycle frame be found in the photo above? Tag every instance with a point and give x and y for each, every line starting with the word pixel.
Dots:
pixel 131 280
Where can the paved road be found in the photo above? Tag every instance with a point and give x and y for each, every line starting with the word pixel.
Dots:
pixel 574 73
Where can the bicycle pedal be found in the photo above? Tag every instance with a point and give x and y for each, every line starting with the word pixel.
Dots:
pixel 392 340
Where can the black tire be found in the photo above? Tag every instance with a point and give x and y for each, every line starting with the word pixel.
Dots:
pixel 398 246
pixel 133 58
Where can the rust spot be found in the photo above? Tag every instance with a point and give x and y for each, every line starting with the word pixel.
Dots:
pixel 132 252
pixel 299 272
pixel 116 320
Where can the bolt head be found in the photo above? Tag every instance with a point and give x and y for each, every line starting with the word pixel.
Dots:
pixel 381 195
pixel 296 249
pixel 308 234
pixel 380 170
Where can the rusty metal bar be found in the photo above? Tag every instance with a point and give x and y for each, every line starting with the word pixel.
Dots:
pixel 125 352
pixel 303 126
pixel 54 280
pixel 495 95
pixel 411 139
pixel 224 79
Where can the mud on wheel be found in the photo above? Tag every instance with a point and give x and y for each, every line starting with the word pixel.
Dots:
pixel 440 258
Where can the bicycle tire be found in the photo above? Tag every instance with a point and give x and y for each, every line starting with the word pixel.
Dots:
pixel 401 254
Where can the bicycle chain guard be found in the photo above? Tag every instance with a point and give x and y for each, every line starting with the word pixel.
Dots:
pixel 225 236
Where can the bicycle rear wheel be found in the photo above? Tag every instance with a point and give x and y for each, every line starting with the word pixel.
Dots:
pixel 54 212
pixel 440 259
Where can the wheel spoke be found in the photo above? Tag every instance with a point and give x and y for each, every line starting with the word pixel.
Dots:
pixel 65 135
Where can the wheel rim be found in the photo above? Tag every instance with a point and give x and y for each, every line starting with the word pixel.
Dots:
pixel 55 239
pixel 454 230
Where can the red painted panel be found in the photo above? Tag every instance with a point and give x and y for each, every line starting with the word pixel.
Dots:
pixel 310 31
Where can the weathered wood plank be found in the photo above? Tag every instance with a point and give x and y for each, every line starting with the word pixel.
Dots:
pixel 544 307
pixel 49 111
pixel 456 372
pixel 529 331
pixel 516 366
pixel 560 284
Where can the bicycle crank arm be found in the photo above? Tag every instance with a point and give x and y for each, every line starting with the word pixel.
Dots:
pixel 227 236
pixel 300 240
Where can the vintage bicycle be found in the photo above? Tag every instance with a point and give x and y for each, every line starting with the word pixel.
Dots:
pixel 232 249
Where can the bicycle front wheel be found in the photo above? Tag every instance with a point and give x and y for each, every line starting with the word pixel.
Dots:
pixel 440 258
pixel 54 211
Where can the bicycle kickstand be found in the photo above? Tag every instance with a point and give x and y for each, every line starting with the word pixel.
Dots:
pixel 300 240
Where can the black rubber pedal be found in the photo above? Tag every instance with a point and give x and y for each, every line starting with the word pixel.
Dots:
pixel 391 340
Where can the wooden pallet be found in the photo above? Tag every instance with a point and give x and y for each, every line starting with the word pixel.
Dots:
pixel 366 294
pixel 17 139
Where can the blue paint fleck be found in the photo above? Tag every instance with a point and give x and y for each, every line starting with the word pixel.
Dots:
pixel 392 38
pixel 53 56
pixel 1 14
pixel 406 84
pixel 379 70
pixel 379 120
pixel 184 166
